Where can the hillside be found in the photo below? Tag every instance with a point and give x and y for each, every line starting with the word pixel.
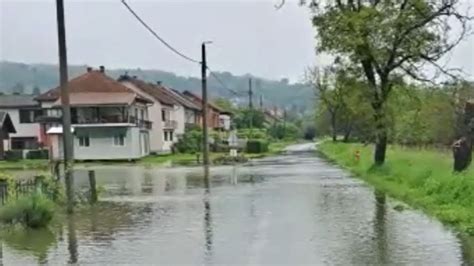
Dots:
pixel 19 77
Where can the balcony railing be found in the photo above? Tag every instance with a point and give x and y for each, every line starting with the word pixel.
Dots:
pixel 170 124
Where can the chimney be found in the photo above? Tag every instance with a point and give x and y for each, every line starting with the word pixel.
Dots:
pixel 89 69
pixel 158 83
pixel 102 69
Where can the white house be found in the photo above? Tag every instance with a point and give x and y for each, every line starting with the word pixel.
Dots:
pixel 109 121
pixel 163 114
pixel 23 111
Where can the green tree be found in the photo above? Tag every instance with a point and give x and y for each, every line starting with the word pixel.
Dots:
pixel 387 38
pixel 224 104
pixel 246 118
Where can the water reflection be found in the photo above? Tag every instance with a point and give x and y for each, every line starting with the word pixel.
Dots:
pixel 30 242
pixel 467 245
pixel 72 245
pixel 380 227
pixel 207 214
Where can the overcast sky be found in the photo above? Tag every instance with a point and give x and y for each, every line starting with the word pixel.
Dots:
pixel 249 36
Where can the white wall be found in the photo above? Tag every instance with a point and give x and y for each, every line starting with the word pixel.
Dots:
pixel 22 129
pixel 154 115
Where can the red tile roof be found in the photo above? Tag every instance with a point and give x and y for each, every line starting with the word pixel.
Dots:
pixel 154 90
pixel 198 100
pixel 90 82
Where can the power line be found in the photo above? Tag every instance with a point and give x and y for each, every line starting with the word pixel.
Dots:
pixel 157 36
pixel 222 83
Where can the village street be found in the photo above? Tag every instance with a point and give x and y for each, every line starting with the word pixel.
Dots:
pixel 294 208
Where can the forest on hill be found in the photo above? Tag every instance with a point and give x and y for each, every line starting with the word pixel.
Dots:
pixel 24 78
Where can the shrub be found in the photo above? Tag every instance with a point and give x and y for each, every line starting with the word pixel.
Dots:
pixel 284 131
pixel 37 154
pixel 34 211
pixel 257 146
pixel 190 142
pixel 14 155
pixel 254 133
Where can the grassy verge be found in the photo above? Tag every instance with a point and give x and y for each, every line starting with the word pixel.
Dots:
pixel 422 178
pixel 23 164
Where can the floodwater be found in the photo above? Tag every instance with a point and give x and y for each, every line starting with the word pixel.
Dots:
pixel 291 209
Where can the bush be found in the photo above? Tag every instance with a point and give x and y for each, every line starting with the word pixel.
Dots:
pixel 284 131
pixel 257 146
pixel 190 142
pixel 37 154
pixel 34 211
pixel 14 155
pixel 254 133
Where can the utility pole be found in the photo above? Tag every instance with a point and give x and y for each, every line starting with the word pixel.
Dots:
pixel 66 110
pixel 250 106
pixel 205 135
pixel 250 94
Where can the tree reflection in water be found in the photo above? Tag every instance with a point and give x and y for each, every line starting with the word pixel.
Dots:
pixel 380 226
pixel 72 239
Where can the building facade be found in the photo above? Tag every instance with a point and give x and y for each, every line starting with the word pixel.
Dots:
pixel 109 121
pixel 23 111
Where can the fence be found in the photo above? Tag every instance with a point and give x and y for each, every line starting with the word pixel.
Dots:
pixel 21 187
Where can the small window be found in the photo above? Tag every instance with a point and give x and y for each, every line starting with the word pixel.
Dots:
pixel 119 140
pixel 84 141
pixel 171 135
pixel 142 114
pixel 163 115
pixel 166 135
pixel 26 116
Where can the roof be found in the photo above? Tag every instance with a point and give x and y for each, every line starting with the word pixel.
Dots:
pixel 17 100
pixel 154 90
pixel 99 98
pixel 198 100
pixel 182 99
pixel 91 82
pixel 6 122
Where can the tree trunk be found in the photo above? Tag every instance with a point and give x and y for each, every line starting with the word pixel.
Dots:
pixel 462 153
pixel 333 127
pixel 380 135
pixel 347 132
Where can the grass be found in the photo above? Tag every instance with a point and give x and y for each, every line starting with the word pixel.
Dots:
pixel 23 164
pixel 32 211
pixel 422 178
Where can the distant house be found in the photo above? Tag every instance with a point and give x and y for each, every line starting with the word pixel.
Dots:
pixel 109 120
pixel 6 128
pixel 213 112
pixel 23 111
pixel 165 113
pixel 192 115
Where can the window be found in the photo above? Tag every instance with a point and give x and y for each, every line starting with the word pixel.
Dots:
pixel 168 135
pixel 163 115
pixel 142 114
pixel 24 143
pixel 27 116
pixel 119 140
pixel 84 141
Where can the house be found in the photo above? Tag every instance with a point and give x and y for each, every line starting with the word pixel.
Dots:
pixel 213 112
pixel 23 111
pixel 6 128
pixel 164 113
pixel 192 112
pixel 109 120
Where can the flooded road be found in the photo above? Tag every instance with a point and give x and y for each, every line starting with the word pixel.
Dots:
pixel 291 209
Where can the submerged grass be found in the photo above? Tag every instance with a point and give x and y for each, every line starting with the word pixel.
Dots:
pixel 32 211
pixel 422 178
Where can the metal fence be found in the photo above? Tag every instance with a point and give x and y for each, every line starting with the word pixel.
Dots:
pixel 22 187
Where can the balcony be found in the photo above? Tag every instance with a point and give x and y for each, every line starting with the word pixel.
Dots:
pixel 170 124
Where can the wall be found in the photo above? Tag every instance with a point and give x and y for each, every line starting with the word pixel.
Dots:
pixel 102 144
pixel 154 115
pixel 23 130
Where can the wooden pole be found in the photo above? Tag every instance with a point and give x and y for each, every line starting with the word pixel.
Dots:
pixel 66 110
pixel 93 185
pixel 205 139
